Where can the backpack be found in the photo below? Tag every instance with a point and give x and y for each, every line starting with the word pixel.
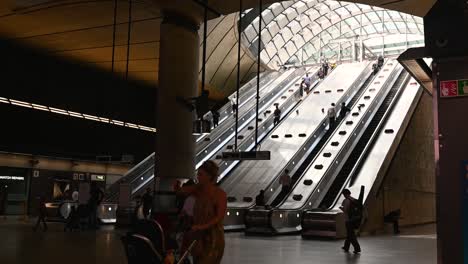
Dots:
pixel 355 212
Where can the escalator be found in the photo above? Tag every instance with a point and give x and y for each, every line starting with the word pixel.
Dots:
pixel 287 101
pixel 318 177
pixel 297 132
pixel 142 174
pixel 340 179
pixel 367 162
pixel 310 157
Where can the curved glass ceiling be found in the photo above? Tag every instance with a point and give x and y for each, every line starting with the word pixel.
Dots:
pixel 303 31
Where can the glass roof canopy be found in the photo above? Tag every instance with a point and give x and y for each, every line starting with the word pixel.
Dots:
pixel 303 31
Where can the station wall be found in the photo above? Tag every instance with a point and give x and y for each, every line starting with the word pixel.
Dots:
pixel 409 184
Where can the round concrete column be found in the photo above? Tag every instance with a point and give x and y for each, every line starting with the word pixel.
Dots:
pixel 178 77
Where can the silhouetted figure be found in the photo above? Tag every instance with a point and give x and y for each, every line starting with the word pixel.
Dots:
pixel 331 112
pixel 380 61
pixel 234 104
pixel 199 104
pixel 95 199
pixel 285 181
pixel 301 88
pixel 352 209
pixel 375 68
pixel 344 110
pixel 393 217
pixel 321 74
pixel 215 115
pixel 42 214
pixel 277 116
pixel 307 82
pixel 325 67
pixel 260 198
pixel 147 202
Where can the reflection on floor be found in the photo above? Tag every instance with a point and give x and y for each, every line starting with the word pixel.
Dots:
pixel 19 244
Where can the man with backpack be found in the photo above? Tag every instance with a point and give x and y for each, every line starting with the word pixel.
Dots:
pixel 352 209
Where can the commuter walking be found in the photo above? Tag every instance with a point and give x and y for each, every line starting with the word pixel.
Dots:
pixel 331 116
pixel 147 203
pixel 301 89
pixel 307 81
pixel 352 209
pixel 344 110
pixel 42 215
pixel 277 116
pixel 285 181
pixel 325 67
pixel 95 199
pixel 208 214
pixel 234 104
pixel 215 115
pixel 380 61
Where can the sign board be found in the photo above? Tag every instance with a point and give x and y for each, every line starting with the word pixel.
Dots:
pixel 448 88
pixel 98 177
pixel 12 178
pixel 465 209
pixel 247 155
pixel 453 88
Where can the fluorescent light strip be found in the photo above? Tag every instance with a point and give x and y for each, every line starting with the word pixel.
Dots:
pixel 74 114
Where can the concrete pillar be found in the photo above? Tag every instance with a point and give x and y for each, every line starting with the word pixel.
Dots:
pixel 451 143
pixel 446 35
pixel 178 77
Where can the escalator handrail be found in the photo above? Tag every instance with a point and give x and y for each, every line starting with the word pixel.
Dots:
pixel 279 87
pixel 372 139
pixel 268 131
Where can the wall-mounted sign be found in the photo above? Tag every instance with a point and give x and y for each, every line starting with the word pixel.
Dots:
pixel 12 178
pixel 35 173
pixel 453 88
pixel 98 177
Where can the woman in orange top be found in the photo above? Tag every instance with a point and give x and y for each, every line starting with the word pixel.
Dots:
pixel 208 215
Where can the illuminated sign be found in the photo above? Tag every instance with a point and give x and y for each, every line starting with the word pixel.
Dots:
pixel 12 178
pixel 98 177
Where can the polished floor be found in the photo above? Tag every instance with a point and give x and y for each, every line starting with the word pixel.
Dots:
pixel 19 244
